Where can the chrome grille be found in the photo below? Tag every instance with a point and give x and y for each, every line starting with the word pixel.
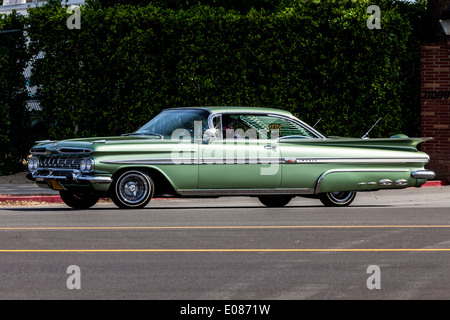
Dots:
pixel 60 162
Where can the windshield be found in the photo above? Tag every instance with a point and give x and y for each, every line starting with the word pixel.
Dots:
pixel 170 120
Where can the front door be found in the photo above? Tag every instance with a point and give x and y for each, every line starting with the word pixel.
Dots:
pixel 239 164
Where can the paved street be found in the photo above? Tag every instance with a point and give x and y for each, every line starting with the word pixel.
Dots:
pixel 231 248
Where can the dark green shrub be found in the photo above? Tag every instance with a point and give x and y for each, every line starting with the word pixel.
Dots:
pixel 14 118
pixel 317 59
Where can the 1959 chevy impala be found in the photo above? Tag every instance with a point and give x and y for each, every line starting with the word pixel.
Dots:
pixel 225 151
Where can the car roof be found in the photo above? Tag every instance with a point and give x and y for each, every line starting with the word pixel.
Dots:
pixel 227 109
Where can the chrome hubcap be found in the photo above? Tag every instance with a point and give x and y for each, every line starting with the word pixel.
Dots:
pixel 341 197
pixel 133 188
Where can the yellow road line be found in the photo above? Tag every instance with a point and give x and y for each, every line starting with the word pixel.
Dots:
pixel 217 250
pixel 226 227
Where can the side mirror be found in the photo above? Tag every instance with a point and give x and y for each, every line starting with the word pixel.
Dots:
pixel 211 135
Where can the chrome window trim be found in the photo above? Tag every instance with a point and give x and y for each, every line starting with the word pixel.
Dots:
pixel 290 118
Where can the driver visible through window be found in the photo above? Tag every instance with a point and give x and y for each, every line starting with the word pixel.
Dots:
pixel 262 127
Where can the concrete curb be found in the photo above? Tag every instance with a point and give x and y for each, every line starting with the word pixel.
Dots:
pixel 38 198
pixel 57 198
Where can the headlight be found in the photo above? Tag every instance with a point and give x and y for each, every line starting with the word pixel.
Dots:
pixel 87 165
pixel 33 164
pixel 83 165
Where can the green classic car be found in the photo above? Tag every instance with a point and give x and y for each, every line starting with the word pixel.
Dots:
pixel 225 151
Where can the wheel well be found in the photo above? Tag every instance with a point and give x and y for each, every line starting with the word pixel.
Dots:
pixel 161 184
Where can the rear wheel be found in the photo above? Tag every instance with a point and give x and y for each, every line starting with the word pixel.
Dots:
pixel 337 199
pixel 275 201
pixel 79 199
pixel 132 190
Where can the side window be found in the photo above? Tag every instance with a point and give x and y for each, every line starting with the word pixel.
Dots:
pixel 274 127
pixel 254 126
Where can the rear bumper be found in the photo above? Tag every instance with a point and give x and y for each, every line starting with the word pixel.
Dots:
pixel 423 174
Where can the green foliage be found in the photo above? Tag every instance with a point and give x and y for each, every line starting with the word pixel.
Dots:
pixel 14 120
pixel 316 59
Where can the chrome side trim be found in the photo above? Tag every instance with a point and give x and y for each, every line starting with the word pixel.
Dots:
pixel 151 161
pixel 243 192
pixel 305 160
pixel 401 182
pixel 326 173
pixel 93 179
pixel 423 174
pixel 357 160
pixel 385 182
pixel 168 161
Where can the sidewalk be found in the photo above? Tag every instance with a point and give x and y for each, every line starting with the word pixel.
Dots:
pixel 28 192
pixel 31 192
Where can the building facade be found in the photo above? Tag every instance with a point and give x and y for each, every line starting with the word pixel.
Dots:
pixel 435 106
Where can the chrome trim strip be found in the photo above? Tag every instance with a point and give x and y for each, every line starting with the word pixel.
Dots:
pixel 74 150
pixel 401 182
pixel 305 160
pixel 150 161
pixel 169 161
pixel 326 173
pixel 243 192
pixel 94 179
pixel 354 160
pixel 57 169
pixel 385 182
pixel 76 177
pixel 423 174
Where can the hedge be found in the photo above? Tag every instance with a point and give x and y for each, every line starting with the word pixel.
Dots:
pixel 14 118
pixel 316 59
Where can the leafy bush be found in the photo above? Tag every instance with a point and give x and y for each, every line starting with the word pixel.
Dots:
pixel 14 119
pixel 316 59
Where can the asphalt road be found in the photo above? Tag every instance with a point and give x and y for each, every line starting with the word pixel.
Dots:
pixel 386 245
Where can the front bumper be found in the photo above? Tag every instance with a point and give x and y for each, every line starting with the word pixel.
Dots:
pixel 68 177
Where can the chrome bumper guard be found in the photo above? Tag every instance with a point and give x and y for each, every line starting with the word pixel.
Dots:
pixel 76 177
pixel 423 174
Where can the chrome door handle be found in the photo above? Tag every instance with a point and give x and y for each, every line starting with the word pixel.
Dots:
pixel 270 147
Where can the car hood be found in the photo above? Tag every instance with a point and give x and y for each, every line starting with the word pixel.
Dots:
pixel 88 145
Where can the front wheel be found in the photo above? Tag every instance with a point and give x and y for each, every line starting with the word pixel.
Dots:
pixel 132 190
pixel 337 199
pixel 275 201
pixel 79 199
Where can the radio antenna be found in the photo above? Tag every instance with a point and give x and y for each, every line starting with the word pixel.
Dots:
pixel 365 136
pixel 317 122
